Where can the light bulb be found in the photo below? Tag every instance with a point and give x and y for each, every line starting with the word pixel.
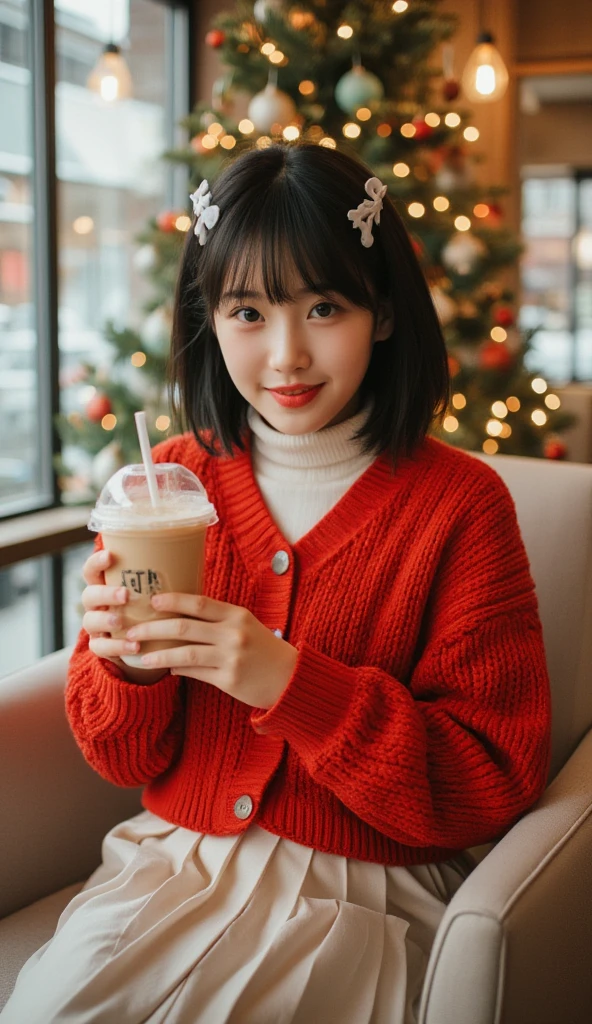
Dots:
pixel 110 77
pixel 485 77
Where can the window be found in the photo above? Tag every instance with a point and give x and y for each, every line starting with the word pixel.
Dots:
pixel 79 179
pixel 557 275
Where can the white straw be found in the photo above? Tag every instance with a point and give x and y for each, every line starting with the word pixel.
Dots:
pixel 140 418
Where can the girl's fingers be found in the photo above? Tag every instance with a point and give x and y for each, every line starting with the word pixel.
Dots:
pixel 108 621
pixel 94 567
pixel 191 630
pixel 98 596
pixel 105 647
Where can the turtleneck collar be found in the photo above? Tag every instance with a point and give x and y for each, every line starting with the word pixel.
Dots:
pixel 330 446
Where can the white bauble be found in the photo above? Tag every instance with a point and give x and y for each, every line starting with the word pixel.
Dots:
pixel 155 332
pixel 445 306
pixel 462 253
pixel 145 257
pixel 106 463
pixel 271 106
pixel 262 8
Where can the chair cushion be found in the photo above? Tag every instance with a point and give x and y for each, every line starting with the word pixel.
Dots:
pixel 26 931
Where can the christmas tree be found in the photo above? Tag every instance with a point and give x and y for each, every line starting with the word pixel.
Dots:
pixel 373 78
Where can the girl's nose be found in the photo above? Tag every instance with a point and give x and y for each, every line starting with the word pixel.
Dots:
pixel 288 351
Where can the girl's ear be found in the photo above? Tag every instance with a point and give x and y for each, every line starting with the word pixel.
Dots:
pixel 385 321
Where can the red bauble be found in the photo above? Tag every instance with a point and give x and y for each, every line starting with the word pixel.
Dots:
pixel 422 130
pixel 167 221
pixel 503 316
pixel 450 89
pixel 555 450
pixel 453 366
pixel 98 407
pixel 215 38
pixel 495 356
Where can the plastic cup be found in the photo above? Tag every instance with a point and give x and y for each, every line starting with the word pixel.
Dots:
pixel 155 548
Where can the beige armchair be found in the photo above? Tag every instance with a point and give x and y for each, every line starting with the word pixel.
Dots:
pixel 515 943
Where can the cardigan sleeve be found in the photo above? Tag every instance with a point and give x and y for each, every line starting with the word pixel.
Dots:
pixel 452 756
pixel 128 733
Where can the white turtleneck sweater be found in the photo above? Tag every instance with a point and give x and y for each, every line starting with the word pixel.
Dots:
pixel 301 477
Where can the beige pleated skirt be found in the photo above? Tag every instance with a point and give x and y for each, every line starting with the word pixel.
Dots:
pixel 188 928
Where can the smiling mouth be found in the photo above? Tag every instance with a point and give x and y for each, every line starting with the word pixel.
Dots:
pixel 295 390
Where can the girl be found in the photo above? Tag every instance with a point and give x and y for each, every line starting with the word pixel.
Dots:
pixel 362 691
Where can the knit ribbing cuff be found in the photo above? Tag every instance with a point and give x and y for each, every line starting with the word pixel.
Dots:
pixel 120 706
pixel 314 704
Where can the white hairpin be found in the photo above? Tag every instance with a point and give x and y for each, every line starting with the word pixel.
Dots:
pixel 206 215
pixel 369 210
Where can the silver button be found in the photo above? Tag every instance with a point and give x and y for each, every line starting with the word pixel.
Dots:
pixel 280 562
pixel 243 807
pixel 278 633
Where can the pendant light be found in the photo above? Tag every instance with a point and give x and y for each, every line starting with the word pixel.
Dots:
pixel 485 77
pixel 110 77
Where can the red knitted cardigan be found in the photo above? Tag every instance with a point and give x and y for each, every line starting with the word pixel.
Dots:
pixel 417 719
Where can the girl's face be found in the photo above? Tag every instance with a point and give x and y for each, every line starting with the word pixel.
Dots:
pixel 316 341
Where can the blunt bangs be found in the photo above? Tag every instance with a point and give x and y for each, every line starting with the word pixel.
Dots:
pixel 283 222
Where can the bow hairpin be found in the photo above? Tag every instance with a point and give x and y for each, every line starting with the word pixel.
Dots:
pixel 369 210
pixel 206 215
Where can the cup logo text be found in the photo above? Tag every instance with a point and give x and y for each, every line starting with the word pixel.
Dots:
pixel 142 581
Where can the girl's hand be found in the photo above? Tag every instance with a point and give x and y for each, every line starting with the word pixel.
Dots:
pixel 223 644
pixel 102 615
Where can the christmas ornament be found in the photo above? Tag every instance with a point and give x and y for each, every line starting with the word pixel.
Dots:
pixel 166 221
pixel 463 252
pixel 503 316
pixel 453 366
pixel 263 8
pixel 422 130
pixel 450 87
pixel 555 449
pixel 155 332
pixel 494 355
pixel 145 257
pixel 106 463
pixel 445 306
pixel 98 407
pixel 269 107
pixel 358 88
pixel 495 214
pixel 215 38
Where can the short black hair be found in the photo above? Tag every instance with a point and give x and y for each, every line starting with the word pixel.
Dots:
pixel 287 206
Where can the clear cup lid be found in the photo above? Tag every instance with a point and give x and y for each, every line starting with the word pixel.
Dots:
pixel 124 503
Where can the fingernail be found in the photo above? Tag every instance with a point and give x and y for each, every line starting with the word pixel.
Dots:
pixel 156 601
pixel 103 557
pixel 114 620
pixel 132 646
pixel 121 594
pixel 148 659
pixel 131 633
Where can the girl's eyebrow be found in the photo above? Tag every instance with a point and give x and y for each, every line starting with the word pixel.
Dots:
pixel 238 295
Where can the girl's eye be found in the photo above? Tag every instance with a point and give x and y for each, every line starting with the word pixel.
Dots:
pixel 246 309
pixel 326 307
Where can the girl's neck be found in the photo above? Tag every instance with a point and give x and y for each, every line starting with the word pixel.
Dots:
pixel 331 446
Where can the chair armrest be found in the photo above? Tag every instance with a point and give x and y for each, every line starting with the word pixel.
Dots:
pixel 515 942
pixel 54 808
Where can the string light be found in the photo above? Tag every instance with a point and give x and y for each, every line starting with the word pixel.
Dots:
pixel 162 422
pixel 401 170
pixel 183 223
pixel 416 209
pixel 306 87
pixel 499 409
pixel 539 417
pixel 83 225
pixel 506 430
pixel 277 57
pixel 209 142
pixel 345 31
pixel 328 142
pixel 399 6
pixel 245 126
pixel 493 427
pixel 363 114
pixel 552 401
pixel 462 223
pixel 481 210
pixel 228 142
pixel 408 130
pixel 215 128
pixel 432 119
pixel 452 119
pixel 291 132
pixel 441 203
pixel 459 401
pixel 450 424
pixel 351 130
pixel 513 403
pixel 490 447
pixel 263 142
pixel 498 334
pixel 138 359
pixel 267 49
pixel 539 385
pixel 384 130
pixel 471 133
pixel 109 422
